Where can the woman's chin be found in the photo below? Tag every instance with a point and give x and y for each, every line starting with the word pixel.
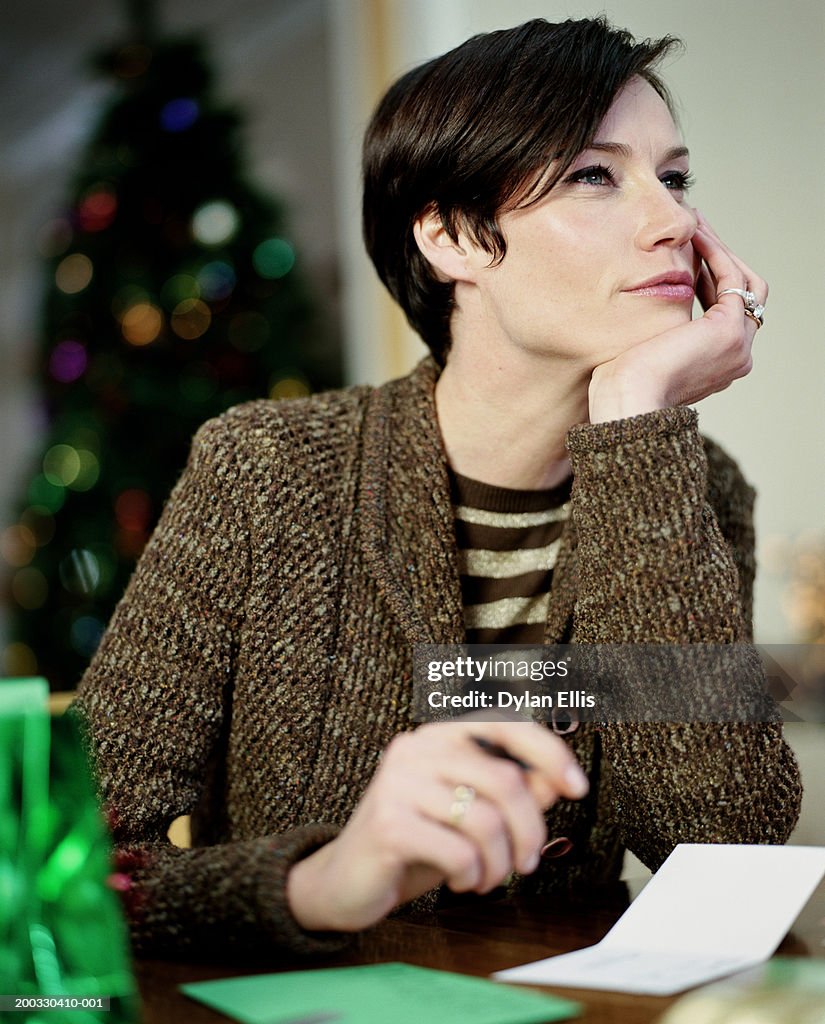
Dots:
pixel 667 318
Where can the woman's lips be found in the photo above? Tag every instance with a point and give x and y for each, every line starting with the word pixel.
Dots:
pixel 675 286
pixel 665 290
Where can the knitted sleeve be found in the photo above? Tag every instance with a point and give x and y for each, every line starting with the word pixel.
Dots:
pixel 665 555
pixel 152 707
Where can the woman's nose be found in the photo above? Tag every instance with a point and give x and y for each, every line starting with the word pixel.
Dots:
pixel 665 221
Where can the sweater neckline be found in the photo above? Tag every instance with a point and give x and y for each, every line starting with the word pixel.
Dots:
pixel 476 494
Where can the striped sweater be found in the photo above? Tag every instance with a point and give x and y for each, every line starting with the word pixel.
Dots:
pixel 508 541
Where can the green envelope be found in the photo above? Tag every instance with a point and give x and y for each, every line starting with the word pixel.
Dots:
pixel 62 932
pixel 375 994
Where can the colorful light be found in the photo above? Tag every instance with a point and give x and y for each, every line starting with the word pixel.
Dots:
pixel 273 258
pixel 80 572
pixel 141 324
pixel 126 297
pixel 107 564
pixel 68 361
pixel 248 331
pixel 293 386
pixel 178 115
pixel 84 437
pixel 85 634
pixel 89 472
pixel 215 222
pixel 19 660
pixel 191 318
pixel 40 522
pixel 178 288
pixel 61 465
pixel 133 509
pixel 97 208
pixel 17 545
pixel 29 588
pixel 45 494
pixel 216 280
pixel 73 273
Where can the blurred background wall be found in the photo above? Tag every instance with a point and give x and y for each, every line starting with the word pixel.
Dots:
pixel 751 86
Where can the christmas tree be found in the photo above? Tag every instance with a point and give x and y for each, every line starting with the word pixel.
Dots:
pixel 171 294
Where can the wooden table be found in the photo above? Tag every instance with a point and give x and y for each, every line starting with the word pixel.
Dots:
pixel 473 937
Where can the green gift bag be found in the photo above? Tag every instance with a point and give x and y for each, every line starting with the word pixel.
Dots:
pixel 63 944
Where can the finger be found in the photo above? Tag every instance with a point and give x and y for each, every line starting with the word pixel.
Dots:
pixel 454 855
pixel 482 823
pixel 555 771
pixel 447 752
pixel 445 755
pixel 727 274
pixel 749 274
pixel 721 274
pixel 506 803
pixel 724 271
pixel 706 288
pixel 402 837
pixel 752 281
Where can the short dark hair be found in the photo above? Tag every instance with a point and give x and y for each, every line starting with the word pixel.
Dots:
pixel 470 134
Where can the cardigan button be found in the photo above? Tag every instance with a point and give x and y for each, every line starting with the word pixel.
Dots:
pixel 558 847
pixel 564 721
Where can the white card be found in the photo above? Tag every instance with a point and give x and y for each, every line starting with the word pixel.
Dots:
pixel 709 910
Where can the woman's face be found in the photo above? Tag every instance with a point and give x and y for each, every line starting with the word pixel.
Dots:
pixel 576 278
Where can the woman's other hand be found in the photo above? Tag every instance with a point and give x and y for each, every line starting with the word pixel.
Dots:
pixel 438 810
pixel 686 363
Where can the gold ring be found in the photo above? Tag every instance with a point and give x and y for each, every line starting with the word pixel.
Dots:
pixel 463 797
pixel 753 307
pixel 756 316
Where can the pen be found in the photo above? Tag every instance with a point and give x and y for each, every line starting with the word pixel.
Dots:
pixel 496 750
pixel 557 847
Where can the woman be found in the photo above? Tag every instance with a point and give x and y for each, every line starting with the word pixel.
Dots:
pixel 526 203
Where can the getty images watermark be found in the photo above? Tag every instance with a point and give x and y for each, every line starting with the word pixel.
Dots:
pixel 621 682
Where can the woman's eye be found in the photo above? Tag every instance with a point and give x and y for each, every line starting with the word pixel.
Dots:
pixel 677 181
pixel 596 175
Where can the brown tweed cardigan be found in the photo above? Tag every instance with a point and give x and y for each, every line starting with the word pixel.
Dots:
pixel 261 656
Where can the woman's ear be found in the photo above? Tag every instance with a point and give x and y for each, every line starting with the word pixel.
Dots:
pixel 450 258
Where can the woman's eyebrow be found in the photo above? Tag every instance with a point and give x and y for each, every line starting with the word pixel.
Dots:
pixel 623 150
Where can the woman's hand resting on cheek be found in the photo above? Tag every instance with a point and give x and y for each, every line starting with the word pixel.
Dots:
pixel 439 809
pixel 689 362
